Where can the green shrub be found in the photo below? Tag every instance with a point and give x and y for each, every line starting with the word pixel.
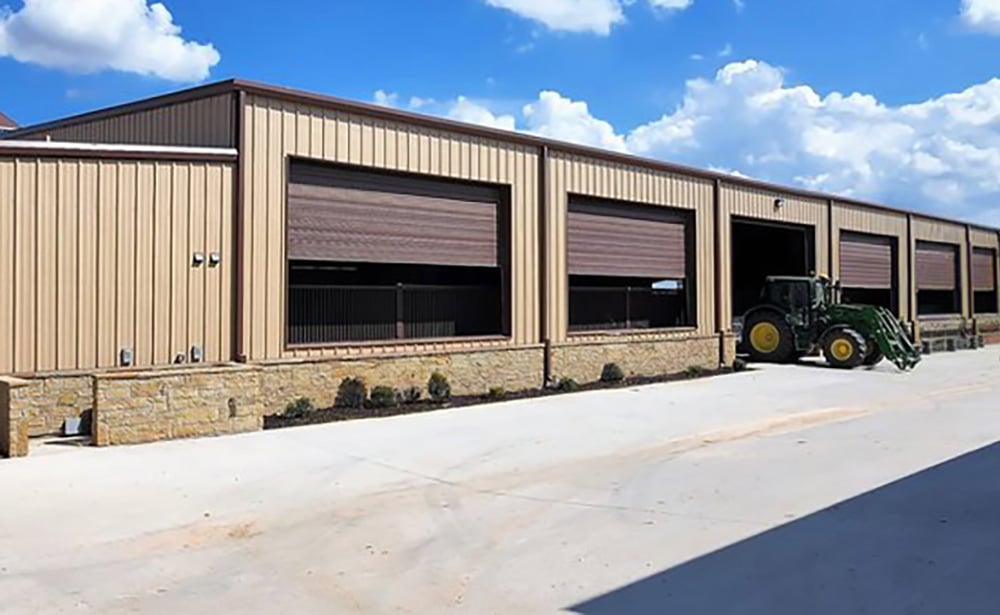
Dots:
pixel 497 393
pixel 438 388
pixel 351 393
pixel 300 408
pixel 567 385
pixel 694 371
pixel 739 365
pixel 612 373
pixel 412 395
pixel 384 397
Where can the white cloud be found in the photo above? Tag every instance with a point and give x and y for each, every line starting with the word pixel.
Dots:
pixel 558 117
pixel 461 109
pixel 982 15
pixel 595 16
pixel 587 16
pixel 671 5
pixel 940 155
pixel 123 35
pixel 726 51
pixel 697 57
pixel 739 5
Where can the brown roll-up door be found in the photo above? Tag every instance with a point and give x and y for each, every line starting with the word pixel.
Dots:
pixel 936 266
pixel 984 273
pixel 336 214
pixel 619 239
pixel 866 261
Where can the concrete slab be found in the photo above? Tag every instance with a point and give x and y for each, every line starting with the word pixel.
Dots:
pixel 613 501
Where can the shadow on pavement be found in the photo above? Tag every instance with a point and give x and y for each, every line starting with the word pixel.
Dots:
pixel 925 544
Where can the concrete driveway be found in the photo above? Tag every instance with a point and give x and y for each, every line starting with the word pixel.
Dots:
pixel 788 490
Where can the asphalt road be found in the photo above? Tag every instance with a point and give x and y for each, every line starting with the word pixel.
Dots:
pixel 787 490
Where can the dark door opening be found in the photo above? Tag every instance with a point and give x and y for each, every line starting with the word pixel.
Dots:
pixel 762 249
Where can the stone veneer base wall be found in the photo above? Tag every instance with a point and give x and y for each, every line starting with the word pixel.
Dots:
pixel 13 418
pixel 133 407
pixel 469 373
pixel 162 405
pixel 584 360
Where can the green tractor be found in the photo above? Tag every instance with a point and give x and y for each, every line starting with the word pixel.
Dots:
pixel 798 315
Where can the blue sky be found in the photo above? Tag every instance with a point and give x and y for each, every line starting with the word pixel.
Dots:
pixel 758 87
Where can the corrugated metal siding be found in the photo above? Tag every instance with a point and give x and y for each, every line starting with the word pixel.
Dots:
pixel 867 220
pixel 943 232
pixel 276 129
pixel 571 174
pixel 985 239
pixel 84 271
pixel 207 122
pixel 759 204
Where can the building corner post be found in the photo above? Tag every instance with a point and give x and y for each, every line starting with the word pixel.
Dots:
pixel 543 264
pixel 239 218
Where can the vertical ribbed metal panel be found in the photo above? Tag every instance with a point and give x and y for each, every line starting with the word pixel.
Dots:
pixel 937 231
pixel 8 176
pixel 760 205
pixel 569 173
pixel 276 129
pixel 207 122
pixel 86 269
pixel 854 218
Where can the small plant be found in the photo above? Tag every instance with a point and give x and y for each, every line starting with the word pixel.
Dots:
pixel 438 388
pixel 497 394
pixel 384 397
pixel 739 365
pixel 351 393
pixel 300 408
pixel 567 385
pixel 412 395
pixel 694 371
pixel 612 373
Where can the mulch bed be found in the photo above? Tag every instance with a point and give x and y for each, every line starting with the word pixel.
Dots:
pixel 333 415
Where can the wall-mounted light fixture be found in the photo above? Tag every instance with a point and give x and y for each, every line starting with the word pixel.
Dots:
pixel 197 259
pixel 197 356
pixel 214 259
pixel 779 203
pixel 125 357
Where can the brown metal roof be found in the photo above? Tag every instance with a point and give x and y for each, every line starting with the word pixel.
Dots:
pixel 377 111
pixel 6 123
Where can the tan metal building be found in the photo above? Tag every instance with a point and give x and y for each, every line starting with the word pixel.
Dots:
pixel 311 238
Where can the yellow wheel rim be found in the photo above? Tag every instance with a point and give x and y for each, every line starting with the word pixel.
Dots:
pixel 842 349
pixel 765 337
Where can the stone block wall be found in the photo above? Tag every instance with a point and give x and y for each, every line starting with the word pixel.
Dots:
pixel 584 360
pixel 469 373
pixel 53 399
pixel 138 407
pixel 728 341
pixel 14 417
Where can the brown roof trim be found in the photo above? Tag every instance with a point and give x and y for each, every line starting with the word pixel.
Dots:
pixel 6 123
pixel 111 152
pixel 156 102
pixel 387 113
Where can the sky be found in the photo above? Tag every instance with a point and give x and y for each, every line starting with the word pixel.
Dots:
pixel 896 101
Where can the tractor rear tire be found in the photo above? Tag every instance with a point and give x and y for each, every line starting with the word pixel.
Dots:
pixel 769 339
pixel 845 348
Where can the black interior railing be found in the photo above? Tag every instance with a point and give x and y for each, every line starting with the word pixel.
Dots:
pixel 610 308
pixel 331 314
